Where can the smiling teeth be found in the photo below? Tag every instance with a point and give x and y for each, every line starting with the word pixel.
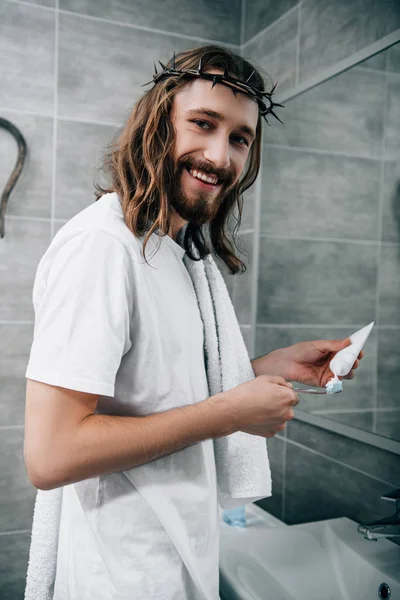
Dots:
pixel 203 177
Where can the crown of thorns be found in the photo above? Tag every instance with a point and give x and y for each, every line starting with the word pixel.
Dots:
pixel 236 85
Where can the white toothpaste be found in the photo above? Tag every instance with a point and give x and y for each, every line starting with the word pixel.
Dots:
pixel 343 361
pixel 334 385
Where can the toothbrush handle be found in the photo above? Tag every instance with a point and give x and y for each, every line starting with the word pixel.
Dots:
pixel 308 391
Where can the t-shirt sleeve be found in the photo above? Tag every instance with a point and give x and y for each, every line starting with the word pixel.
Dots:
pixel 82 319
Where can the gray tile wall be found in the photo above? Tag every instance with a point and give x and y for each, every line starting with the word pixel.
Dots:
pixel 318 474
pixel 74 59
pixel 70 72
pixel 328 211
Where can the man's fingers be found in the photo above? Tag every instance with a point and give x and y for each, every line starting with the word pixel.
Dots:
pixel 349 375
pixel 279 380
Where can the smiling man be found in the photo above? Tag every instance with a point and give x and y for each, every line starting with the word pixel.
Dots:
pixel 214 134
pixel 118 413
pixel 201 118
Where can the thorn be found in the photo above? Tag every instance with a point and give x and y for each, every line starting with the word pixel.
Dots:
pixel 248 79
pixel 215 80
pixel 163 66
pixel 276 117
pixel 155 68
pixel 272 91
pixel 234 90
pixel 226 74
pixel 173 61
pixel 147 83
pixel 265 117
pixel 199 67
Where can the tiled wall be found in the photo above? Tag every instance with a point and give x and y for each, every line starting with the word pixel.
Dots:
pixel 322 218
pixel 69 75
pixel 342 169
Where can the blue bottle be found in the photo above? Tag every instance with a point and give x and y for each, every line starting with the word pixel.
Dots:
pixel 235 516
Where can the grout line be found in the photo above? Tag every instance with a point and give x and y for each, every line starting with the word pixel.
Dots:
pixel 17 111
pixel 263 235
pixel 55 122
pixel 61 117
pixel 370 70
pixel 338 462
pixel 88 121
pixel 15 532
pixel 313 325
pixel 256 258
pixel 284 466
pixel 30 5
pixel 324 152
pixel 251 326
pixel 247 232
pixel 325 326
pixel 263 325
pixel 379 251
pixel 242 24
pixel 308 238
pixel 349 411
pixel 298 43
pixel 40 219
pixel 270 26
pixel 22 218
pixel 148 29
pixel 122 24
pixel 340 67
pixel 17 322
pixel 390 244
pixel 267 144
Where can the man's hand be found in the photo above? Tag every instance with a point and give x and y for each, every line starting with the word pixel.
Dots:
pixel 305 362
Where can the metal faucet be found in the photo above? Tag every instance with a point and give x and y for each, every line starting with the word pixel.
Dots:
pixel 387 527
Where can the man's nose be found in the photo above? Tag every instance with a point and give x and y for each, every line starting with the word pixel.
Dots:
pixel 218 152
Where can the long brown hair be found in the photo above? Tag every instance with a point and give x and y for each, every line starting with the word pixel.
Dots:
pixel 140 161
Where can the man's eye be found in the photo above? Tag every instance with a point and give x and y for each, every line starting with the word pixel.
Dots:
pixel 241 140
pixel 200 123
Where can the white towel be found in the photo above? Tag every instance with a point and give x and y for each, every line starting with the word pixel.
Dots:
pixel 243 472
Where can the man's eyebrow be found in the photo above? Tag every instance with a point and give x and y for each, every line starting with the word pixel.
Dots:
pixel 215 115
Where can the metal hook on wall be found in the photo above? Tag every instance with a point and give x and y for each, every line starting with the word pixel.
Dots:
pixel 16 172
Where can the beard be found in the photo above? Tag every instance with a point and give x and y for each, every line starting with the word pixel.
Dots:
pixel 200 207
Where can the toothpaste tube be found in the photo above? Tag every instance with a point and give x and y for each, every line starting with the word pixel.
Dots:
pixel 343 361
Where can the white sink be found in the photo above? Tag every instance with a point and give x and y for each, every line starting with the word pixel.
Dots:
pixel 326 560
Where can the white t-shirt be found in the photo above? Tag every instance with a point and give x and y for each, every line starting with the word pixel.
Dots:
pixel 108 323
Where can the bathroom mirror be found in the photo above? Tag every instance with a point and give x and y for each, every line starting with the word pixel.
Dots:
pixel 351 119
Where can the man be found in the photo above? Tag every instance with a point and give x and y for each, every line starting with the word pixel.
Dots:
pixel 118 411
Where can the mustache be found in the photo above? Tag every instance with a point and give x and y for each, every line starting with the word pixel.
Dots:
pixel 227 177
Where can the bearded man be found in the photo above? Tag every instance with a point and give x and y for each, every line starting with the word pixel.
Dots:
pixel 118 410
